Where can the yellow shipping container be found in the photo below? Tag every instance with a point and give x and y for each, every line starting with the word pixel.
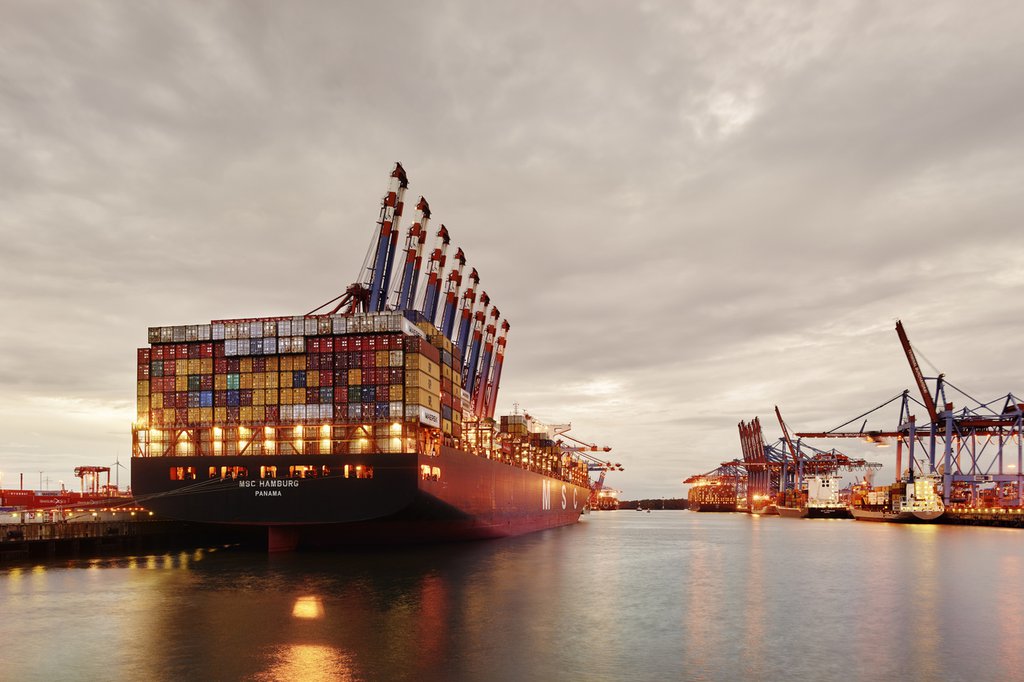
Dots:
pixel 272 364
pixel 206 365
pixel 446 372
pixel 259 380
pixel 193 366
pixel 299 362
pixel 206 415
pixel 422 380
pixel 143 388
pixel 245 414
pixel 168 416
pixel 383 358
pixel 156 401
pixel 285 379
pixel 245 381
pixel 298 396
pixel 421 396
pixel 270 396
pixel 193 415
pixel 415 361
pixel 286 363
pixel 313 379
pixel 395 392
pixel 355 377
pixel 446 425
pixel 220 382
pixel 181 383
pixel 220 415
pixel 271 379
pixel 245 364
pixel 457 416
pixel 142 407
pixel 259 414
pixel 286 396
pixel 257 396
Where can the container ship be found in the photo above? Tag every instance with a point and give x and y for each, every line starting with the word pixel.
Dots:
pixel 913 501
pixel 368 420
pixel 819 500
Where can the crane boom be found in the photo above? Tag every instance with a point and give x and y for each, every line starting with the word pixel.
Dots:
pixel 929 403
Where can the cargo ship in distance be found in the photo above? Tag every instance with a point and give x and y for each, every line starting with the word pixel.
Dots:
pixel 820 500
pixel 368 420
pixel 913 501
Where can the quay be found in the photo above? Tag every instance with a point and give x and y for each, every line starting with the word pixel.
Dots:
pixel 50 539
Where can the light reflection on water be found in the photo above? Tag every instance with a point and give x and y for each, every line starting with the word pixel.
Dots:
pixel 673 595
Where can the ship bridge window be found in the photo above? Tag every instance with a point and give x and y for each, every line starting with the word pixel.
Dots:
pixel 183 473
pixel 268 472
pixel 429 473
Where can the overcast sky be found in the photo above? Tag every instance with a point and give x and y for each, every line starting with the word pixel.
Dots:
pixel 688 212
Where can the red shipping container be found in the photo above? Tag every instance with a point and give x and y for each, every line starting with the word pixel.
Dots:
pixel 181 414
pixel 206 382
pixel 259 364
pixel 193 351
pixel 144 372
pixel 245 397
pixel 341 377
pixel 144 355
pixel 220 366
pixel 233 417
pixel 356 343
pixel 314 346
pixel 220 399
pixel 341 395
pixel 218 349
pixel 181 351
pixel 158 353
pixel 169 367
pixel 326 377
pixel 369 359
pixel 206 350
pixel 312 396
pixel 341 344
pixel 272 413
pixel 327 345
pixel 234 365
pixel 181 399
pixel 313 361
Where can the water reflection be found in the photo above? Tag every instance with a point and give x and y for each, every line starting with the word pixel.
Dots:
pixel 674 595
pixel 306 662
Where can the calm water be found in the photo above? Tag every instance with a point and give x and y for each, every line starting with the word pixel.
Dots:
pixel 621 596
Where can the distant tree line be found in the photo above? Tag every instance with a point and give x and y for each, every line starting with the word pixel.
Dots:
pixel 677 503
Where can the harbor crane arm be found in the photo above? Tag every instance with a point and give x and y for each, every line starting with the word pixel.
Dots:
pixel 785 436
pixel 915 368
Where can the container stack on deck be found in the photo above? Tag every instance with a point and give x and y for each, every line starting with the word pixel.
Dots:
pixel 330 384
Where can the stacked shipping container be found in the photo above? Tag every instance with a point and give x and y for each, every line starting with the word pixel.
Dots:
pixel 319 385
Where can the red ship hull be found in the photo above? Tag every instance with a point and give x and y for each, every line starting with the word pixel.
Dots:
pixel 409 498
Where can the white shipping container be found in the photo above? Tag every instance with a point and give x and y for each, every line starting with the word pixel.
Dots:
pixel 327 412
pixel 218 331
pixel 204 332
pixel 153 335
pixel 298 326
pixel 256 330
pixel 270 346
pixel 395 409
pixel 299 412
pixel 192 332
pixel 166 334
pixel 312 326
pixel 231 347
pixel 179 334
pixel 339 324
pixel 284 344
pixel 409 329
pixel 284 327
pixel 243 330
pixel 269 328
pixel 231 330
pixel 286 413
